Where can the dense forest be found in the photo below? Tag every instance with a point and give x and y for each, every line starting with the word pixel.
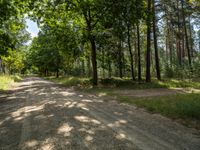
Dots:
pixel 137 39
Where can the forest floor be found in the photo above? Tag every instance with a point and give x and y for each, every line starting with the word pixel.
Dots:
pixel 39 114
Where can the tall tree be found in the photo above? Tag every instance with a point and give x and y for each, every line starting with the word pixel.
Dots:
pixel 186 35
pixel 148 53
pixel 155 41
pixel 139 53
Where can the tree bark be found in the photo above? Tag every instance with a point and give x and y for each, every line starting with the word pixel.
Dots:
pixel 191 39
pixel 120 60
pixel 103 62
pixel 57 73
pixel 88 19
pixel 179 50
pixel 94 61
pixel 109 69
pixel 83 67
pixel 139 57
pixel 155 42
pixel 186 36
pixel 148 53
pixel 89 66
pixel 131 55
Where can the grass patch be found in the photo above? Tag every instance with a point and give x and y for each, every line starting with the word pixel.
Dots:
pixel 6 81
pixel 109 86
pixel 177 83
pixel 166 83
pixel 126 83
pixel 181 106
pixel 71 81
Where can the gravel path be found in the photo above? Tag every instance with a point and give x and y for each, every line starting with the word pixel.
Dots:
pixel 40 115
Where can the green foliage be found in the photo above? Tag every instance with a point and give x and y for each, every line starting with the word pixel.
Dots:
pixel 76 34
pixel 49 52
pixel 7 80
pixel 14 61
pixel 12 27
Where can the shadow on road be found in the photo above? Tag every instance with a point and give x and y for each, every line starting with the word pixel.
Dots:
pixel 41 115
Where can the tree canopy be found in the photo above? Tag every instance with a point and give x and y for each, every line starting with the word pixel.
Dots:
pixel 103 38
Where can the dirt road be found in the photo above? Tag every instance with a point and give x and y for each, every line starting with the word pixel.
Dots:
pixel 39 114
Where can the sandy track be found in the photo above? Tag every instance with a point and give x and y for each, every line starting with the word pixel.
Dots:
pixel 41 115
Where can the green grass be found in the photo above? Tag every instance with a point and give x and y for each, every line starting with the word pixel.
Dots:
pixel 181 106
pixel 127 83
pixel 180 83
pixel 6 81
pixel 71 81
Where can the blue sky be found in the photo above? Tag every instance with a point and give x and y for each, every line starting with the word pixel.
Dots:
pixel 32 27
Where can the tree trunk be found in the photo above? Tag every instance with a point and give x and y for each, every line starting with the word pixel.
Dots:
pixel 120 60
pixel 109 69
pixel 191 39
pixel 155 42
pixel 169 45
pixel 94 61
pixel 148 54
pixel 88 19
pixel 139 57
pixel 179 50
pixel 183 46
pixel 131 55
pixel 123 64
pixel 83 67
pixel 186 36
pixel 103 62
pixel 57 73
pixel 89 66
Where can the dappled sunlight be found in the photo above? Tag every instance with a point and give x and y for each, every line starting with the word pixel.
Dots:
pixel 19 118
pixel 31 89
pixel 46 116
pixel 88 138
pixel 121 136
pixel 11 97
pixel 118 123
pixel 4 120
pixel 82 106
pixel 73 104
pixel 101 94
pixel 47 144
pixel 40 117
pixel 52 102
pixel 63 113
pixel 86 119
pixel 42 93
pixel 91 132
pixel 31 144
pixel 87 100
pixel 33 108
pixel 67 93
pixel 81 96
pixel 67 103
pixel 185 90
pixel 18 113
pixel 65 129
pixel 118 113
